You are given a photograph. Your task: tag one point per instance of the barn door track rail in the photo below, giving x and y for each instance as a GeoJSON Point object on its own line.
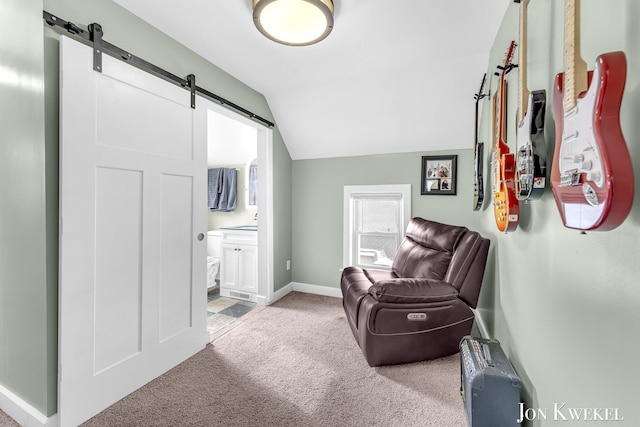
{"type": "Point", "coordinates": [93, 35]}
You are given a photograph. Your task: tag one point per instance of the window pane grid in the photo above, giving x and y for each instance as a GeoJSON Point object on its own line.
{"type": "Point", "coordinates": [376, 226]}
{"type": "Point", "coordinates": [375, 217]}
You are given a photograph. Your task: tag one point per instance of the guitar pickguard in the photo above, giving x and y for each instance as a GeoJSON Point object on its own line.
{"type": "Point", "coordinates": [580, 159]}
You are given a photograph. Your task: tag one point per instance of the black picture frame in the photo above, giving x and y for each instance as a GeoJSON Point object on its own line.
{"type": "Point", "coordinates": [439, 175]}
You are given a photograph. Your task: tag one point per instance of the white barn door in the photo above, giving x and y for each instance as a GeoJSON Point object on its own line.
{"type": "Point", "coordinates": [132, 296]}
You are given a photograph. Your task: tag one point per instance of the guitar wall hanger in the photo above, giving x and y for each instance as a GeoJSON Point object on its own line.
{"type": "Point", "coordinates": [506, 69]}
{"type": "Point", "coordinates": [479, 96]}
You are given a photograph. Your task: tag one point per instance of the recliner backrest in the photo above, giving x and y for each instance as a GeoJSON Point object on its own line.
{"type": "Point", "coordinates": [454, 254]}
{"type": "Point", "coordinates": [427, 249]}
{"type": "Point", "coordinates": [466, 269]}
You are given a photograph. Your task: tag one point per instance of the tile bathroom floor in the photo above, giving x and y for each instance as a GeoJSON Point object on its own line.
{"type": "Point", "coordinates": [221, 311]}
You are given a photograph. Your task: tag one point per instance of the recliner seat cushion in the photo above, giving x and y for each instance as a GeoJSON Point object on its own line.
{"type": "Point", "coordinates": [412, 290]}
{"type": "Point", "coordinates": [375, 275]}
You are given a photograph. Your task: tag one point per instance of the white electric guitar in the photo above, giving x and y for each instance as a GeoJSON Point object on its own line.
{"type": "Point", "coordinates": [531, 148]}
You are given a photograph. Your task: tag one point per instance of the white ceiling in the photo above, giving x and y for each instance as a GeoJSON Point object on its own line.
{"type": "Point", "coordinates": [393, 76]}
{"type": "Point", "coordinates": [230, 142]}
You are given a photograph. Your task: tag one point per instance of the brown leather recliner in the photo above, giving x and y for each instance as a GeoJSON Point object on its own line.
{"type": "Point", "coordinates": [421, 308]}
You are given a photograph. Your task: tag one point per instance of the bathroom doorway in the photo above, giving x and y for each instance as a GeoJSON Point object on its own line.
{"type": "Point", "coordinates": [238, 144]}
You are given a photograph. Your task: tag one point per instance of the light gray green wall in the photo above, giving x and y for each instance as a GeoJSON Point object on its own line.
{"type": "Point", "coordinates": [27, 285]}
{"type": "Point", "coordinates": [318, 198]}
{"type": "Point", "coordinates": [565, 304]}
{"type": "Point", "coordinates": [29, 174]}
{"type": "Point", "coordinates": [282, 211]}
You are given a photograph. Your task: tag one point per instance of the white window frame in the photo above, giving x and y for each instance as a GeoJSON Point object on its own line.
{"type": "Point", "coordinates": [348, 208]}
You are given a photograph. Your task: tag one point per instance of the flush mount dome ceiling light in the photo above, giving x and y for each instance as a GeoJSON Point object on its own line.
{"type": "Point", "coordinates": [294, 22]}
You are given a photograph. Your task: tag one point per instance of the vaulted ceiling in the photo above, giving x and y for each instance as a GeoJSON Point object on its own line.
{"type": "Point", "coordinates": [393, 76]}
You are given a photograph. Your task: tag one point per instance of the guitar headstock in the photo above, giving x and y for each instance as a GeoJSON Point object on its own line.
{"type": "Point", "coordinates": [478, 96]}
{"type": "Point", "coordinates": [508, 66]}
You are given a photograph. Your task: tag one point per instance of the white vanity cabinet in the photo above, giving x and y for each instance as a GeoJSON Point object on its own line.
{"type": "Point", "coordinates": [239, 264]}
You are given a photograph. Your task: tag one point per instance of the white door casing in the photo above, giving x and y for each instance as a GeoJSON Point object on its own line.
{"type": "Point", "coordinates": [132, 288]}
{"type": "Point", "coordinates": [265, 273]}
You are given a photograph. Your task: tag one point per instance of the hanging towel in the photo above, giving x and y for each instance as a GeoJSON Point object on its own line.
{"type": "Point", "coordinates": [253, 185]}
{"type": "Point", "coordinates": [214, 187]}
{"type": "Point", "coordinates": [222, 189]}
{"type": "Point", "coordinates": [229, 191]}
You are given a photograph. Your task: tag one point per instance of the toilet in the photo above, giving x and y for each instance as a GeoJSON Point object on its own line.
{"type": "Point", "coordinates": [213, 257]}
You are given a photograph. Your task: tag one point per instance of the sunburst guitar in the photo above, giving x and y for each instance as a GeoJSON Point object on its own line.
{"type": "Point", "coordinates": [506, 207]}
{"type": "Point", "coordinates": [592, 175]}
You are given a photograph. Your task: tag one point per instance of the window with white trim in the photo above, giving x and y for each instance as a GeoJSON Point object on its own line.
{"type": "Point", "coordinates": [375, 220]}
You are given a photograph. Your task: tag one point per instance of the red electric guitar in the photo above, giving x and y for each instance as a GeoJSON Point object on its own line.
{"type": "Point", "coordinates": [592, 175]}
{"type": "Point", "coordinates": [506, 208]}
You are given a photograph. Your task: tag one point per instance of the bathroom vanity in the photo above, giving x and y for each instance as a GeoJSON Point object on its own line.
{"type": "Point", "coordinates": [239, 262]}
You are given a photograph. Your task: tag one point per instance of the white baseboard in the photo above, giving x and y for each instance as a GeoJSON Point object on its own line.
{"type": "Point", "coordinates": [307, 289]}
{"type": "Point", "coordinates": [481, 325]}
{"type": "Point", "coordinates": [317, 290]}
{"type": "Point", "coordinates": [23, 413]}
{"type": "Point", "coordinates": [280, 293]}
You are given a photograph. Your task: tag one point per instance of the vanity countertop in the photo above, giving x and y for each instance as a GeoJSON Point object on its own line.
{"type": "Point", "coordinates": [241, 227]}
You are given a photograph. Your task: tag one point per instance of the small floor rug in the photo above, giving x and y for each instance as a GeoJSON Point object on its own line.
{"type": "Point", "coordinates": [294, 363]}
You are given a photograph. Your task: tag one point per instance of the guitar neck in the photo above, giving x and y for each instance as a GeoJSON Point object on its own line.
{"type": "Point", "coordinates": [478, 97]}
{"type": "Point", "coordinates": [499, 100]}
{"type": "Point", "coordinates": [475, 142]}
{"type": "Point", "coordinates": [575, 69]}
{"type": "Point", "coordinates": [523, 92]}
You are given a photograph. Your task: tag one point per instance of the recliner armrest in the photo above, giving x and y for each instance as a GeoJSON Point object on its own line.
{"type": "Point", "coordinates": [412, 290]}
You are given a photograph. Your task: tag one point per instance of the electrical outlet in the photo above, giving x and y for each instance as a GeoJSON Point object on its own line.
{"type": "Point", "coordinates": [288, 264]}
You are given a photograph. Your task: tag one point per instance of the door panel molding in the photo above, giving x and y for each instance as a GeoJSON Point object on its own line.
{"type": "Point", "coordinates": [132, 300]}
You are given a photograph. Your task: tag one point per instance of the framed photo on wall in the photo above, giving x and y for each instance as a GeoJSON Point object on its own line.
{"type": "Point", "coordinates": [438, 175]}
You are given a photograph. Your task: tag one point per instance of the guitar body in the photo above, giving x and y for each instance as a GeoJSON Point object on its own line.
{"type": "Point", "coordinates": [531, 153]}
{"type": "Point", "coordinates": [506, 207]}
{"type": "Point", "coordinates": [592, 175]}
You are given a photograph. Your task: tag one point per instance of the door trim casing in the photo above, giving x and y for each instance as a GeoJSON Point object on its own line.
{"type": "Point", "coordinates": [265, 199]}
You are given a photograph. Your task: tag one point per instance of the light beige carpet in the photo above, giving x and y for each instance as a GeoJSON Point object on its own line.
{"type": "Point", "coordinates": [294, 363]}
{"type": "Point", "coordinates": [7, 421]}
